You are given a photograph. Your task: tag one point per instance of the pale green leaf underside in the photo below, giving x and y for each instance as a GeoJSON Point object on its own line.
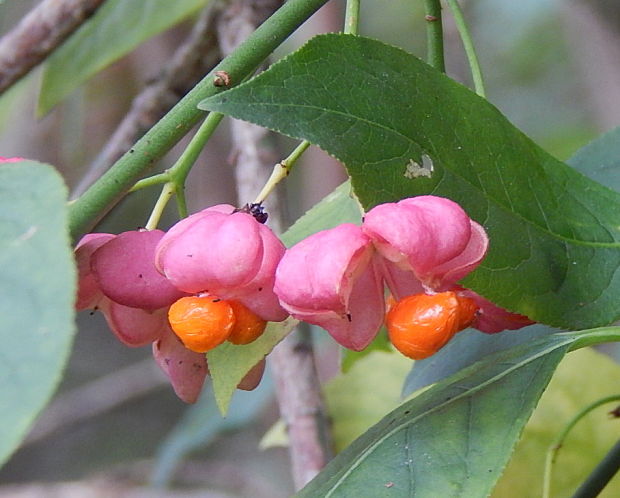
{"type": "Point", "coordinates": [115, 29]}
{"type": "Point", "coordinates": [37, 288]}
{"type": "Point", "coordinates": [439, 443]}
{"type": "Point", "coordinates": [555, 235]}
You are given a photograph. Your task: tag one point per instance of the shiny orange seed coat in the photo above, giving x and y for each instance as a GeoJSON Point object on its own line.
{"type": "Point", "coordinates": [421, 324]}
{"type": "Point", "coordinates": [201, 322]}
{"type": "Point", "coordinates": [248, 326]}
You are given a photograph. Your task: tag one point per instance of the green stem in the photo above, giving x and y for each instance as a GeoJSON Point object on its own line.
{"type": "Point", "coordinates": [559, 441]}
{"type": "Point", "coordinates": [166, 193]}
{"type": "Point", "coordinates": [178, 173]}
{"type": "Point", "coordinates": [601, 475]}
{"type": "Point", "coordinates": [150, 181]}
{"type": "Point", "coordinates": [104, 193]}
{"type": "Point", "coordinates": [470, 51]}
{"type": "Point", "coordinates": [281, 171]}
{"type": "Point", "coordinates": [352, 17]}
{"type": "Point", "coordinates": [283, 168]}
{"type": "Point", "coordinates": [434, 35]}
{"type": "Point", "coordinates": [592, 337]}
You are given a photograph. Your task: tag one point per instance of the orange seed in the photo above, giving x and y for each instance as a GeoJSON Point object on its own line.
{"type": "Point", "coordinates": [248, 326]}
{"type": "Point", "coordinates": [201, 322]}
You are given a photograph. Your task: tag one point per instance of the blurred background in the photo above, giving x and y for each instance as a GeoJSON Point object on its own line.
{"type": "Point", "coordinates": [115, 427]}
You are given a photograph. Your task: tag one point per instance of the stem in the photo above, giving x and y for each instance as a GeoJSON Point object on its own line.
{"type": "Point", "coordinates": [150, 181]}
{"type": "Point", "coordinates": [166, 193]}
{"type": "Point", "coordinates": [601, 475]}
{"type": "Point", "coordinates": [281, 171]}
{"type": "Point", "coordinates": [104, 193]}
{"type": "Point", "coordinates": [178, 173]}
{"type": "Point", "coordinates": [194, 58]}
{"type": "Point", "coordinates": [434, 35]}
{"type": "Point", "coordinates": [175, 177]}
{"type": "Point", "coordinates": [559, 441]}
{"type": "Point", "coordinates": [352, 17]}
{"type": "Point", "coordinates": [301, 406]}
{"type": "Point", "coordinates": [592, 337]}
{"type": "Point", "coordinates": [470, 51]}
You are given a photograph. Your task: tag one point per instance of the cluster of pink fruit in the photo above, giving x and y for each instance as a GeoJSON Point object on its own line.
{"type": "Point", "coordinates": [221, 274]}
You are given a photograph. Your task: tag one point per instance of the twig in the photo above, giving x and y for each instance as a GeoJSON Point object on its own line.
{"type": "Point", "coordinates": [434, 35]}
{"type": "Point", "coordinates": [188, 65]}
{"type": "Point", "coordinates": [92, 205]}
{"type": "Point", "coordinates": [97, 397]}
{"type": "Point", "coordinates": [301, 406]}
{"type": "Point", "coordinates": [601, 475]}
{"type": "Point", "coordinates": [38, 34]}
{"type": "Point", "coordinates": [297, 383]}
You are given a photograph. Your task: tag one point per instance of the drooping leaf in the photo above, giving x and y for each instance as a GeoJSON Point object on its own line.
{"type": "Point", "coordinates": [113, 31]}
{"type": "Point", "coordinates": [403, 129]}
{"type": "Point", "coordinates": [229, 363]}
{"type": "Point", "coordinates": [37, 288]}
{"type": "Point", "coordinates": [582, 377]}
{"type": "Point", "coordinates": [438, 443]}
{"type": "Point", "coordinates": [600, 159]}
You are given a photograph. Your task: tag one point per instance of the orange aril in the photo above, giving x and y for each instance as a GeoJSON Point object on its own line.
{"type": "Point", "coordinates": [248, 326]}
{"type": "Point", "coordinates": [201, 322]}
{"type": "Point", "coordinates": [421, 324]}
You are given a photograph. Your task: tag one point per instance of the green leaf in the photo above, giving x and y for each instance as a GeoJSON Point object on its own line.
{"type": "Point", "coordinates": [37, 290]}
{"type": "Point", "coordinates": [115, 29]}
{"type": "Point", "coordinates": [600, 159]}
{"type": "Point", "coordinates": [438, 443]}
{"type": "Point", "coordinates": [555, 237]}
{"type": "Point", "coordinates": [581, 378]}
{"type": "Point", "coordinates": [229, 363]}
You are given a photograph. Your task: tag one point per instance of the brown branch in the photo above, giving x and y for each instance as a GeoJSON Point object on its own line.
{"type": "Point", "coordinates": [297, 384]}
{"type": "Point", "coordinates": [301, 406]}
{"type": "Point", "coordinates": [38, 34]}
{"type": "Point", "coordinates": [191, 61]}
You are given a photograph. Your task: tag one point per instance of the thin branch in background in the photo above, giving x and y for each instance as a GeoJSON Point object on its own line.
{"type": "Point", "coordinates": [603, 473]}
{"type": "Point", "coordinates": [38, 34]}
{"type": "Point", "coordinates": [297, 383]}
{"type": "Point", "coordinates": [98, 397]}
{"type": "Point", "coordinates": [301, 406]}
{"type": "Point", "coordinates": [191, 61]}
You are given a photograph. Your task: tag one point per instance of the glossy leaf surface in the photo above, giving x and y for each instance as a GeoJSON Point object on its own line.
{"type": "Point", "coordinates": [404, 129]}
